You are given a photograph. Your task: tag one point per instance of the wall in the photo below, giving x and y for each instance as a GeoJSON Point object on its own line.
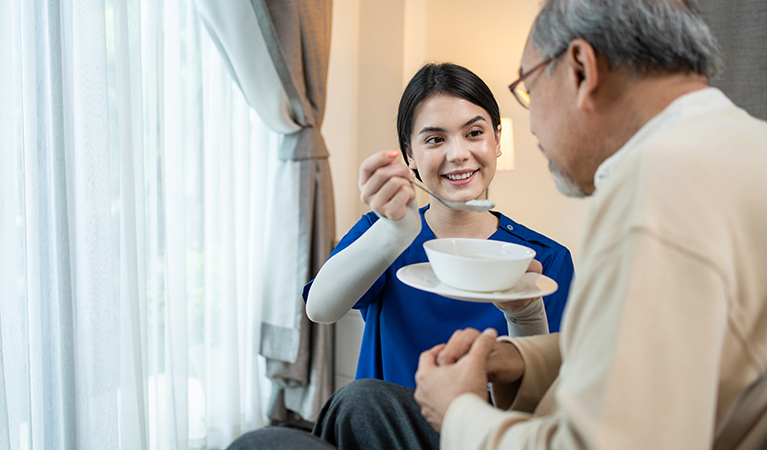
{"type": "Point", "coordinates": [376, 47]}
{"type": "Point", "coordinates": [740, 26]}
{"type": "Point", "coordinates": [364, 86]}
{"type": "Point", "coordinates": [488, 37]}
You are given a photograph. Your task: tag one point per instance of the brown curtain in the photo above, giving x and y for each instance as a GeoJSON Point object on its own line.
{"type": "Point", "coordinates": [277, 52]}
{"type": "Point", "coordinates": [297, 33]}
{"type": "Point", "coordinates": [741, 28]}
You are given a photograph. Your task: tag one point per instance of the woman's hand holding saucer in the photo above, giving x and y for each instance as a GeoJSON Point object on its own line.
{"type": "Point", "coordinates": [516, 305]}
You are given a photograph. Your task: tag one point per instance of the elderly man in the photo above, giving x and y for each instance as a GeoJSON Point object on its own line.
{"type": "Point", "coordinates": [664, 340]}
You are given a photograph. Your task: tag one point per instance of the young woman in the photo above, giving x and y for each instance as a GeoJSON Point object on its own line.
{"type": "Point", "coordinates": [449, 134]}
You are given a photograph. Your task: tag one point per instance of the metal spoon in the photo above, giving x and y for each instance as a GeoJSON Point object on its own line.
{"type": "Point", "coordinates": [471, 205]}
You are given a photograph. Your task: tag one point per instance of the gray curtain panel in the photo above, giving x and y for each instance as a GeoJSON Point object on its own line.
{"type": "Point", "coordinates": [277, 52]}
{"type": "Point", "coordinates": [297, 34]}
{"type": "Point", "coordinates": [741, 28]}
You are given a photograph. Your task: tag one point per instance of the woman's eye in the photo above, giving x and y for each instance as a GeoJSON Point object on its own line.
{"type": "Point", "coordinates": [475, 133]}
{"type": "Point", "coordinates": [434, 140]}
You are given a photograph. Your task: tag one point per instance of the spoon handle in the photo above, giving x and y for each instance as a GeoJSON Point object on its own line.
{"type": "Point", "coordinates": [475, 205]}
{"type": "Point", "coordinates": [425, 189]}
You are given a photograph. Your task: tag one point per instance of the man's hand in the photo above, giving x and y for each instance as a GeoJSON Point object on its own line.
{"type": "Point", "coordinates": [516, 305]}
{"type": "Point", "coordinates": [505, 363]}
{"type": "Point", "coordinates": [459, 344]}
{"type": "Point", "coordinates": [384, 184]}
{"type": "Point", "coordinates": [437, 385]}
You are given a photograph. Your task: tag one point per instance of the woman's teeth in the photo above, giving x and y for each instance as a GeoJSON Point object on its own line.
{"type": "Point", "coordinates": [462, 176]}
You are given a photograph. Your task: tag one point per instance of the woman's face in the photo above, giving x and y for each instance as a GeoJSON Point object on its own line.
{"type": "Point", "coordinates": [454, 147]}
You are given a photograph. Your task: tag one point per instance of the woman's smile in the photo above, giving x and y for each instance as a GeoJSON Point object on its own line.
{"type": "Point", "coordinates": [460, 177]}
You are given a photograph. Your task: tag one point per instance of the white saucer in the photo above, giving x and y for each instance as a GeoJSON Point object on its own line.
{"type": "Point", "coordinates": [531, 285]}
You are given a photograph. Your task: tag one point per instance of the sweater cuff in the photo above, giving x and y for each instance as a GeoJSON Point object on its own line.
{"type": "Point", "coordinates": [542, 362]}
{"type": "Point", "coordinates": [470, 423]}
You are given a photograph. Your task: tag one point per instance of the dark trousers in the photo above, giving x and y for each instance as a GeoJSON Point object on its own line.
{"type": "Point", "coordinates": [279, 438]}
{"type": "Point", "coordinates": [372, 414]}
{"type": "Point", "coordinates": [363, 415]}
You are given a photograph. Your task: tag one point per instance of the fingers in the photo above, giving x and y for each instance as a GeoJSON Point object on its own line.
{"type": "Point", "coordinates": [457, 346]}
{"type": "Point", "coordinates": [381, 166]}
{"type": "Point", "coordinates": [438, 386]}
{"type": "Point", "coordinates": [483, 345]}
{"type": "Point", "coordinates": [463, 342]}
{"type": "Point", "coordinates": [535, 266]}
{"type": "Point", "coordinates": [384, 185]}
{"type": "Point", "coordinates": [429, 357]}
{"type": "Point", "coordinates": [373, 162]}
{"type": "Point", "coordinates": [391, 201]}
{"type": "Point", "coordinates": [516, 305]}
{"type": "Point", "coordinates": [427, 378]}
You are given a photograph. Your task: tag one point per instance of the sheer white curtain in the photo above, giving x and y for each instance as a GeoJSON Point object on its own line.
{"type": "Point", "coordinates": [133, 180]}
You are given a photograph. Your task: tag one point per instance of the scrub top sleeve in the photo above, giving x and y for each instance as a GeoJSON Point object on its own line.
{"type": "Point", "coordinates": [561, 270]}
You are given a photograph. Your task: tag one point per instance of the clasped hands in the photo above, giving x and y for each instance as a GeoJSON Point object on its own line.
{"type": "Point", "coordinates": [465, 364]}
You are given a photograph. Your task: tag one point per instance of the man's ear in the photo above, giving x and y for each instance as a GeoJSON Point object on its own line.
{"type": "Point", "coordinates": [584, 71]}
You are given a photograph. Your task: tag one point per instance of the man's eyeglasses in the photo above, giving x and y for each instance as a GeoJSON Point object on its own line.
{"type": "Point", "coordinates": [516, 88]}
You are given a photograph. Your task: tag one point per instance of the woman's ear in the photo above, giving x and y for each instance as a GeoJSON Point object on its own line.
{"type": "Point", "coordinates": [411, 163]}
{"type": "Point", "coordinates": [498, 132]}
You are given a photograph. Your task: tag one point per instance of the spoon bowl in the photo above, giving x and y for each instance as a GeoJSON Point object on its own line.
{"type": "Point", "coordinates": [471, 205]}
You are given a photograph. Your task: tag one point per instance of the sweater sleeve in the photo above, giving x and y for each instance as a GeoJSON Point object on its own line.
{"type": "Point", "coordinates": [346, 276]}
{"type": "Point", "coordinates": [542, 362]}
{"type": "Point", "coordinates": [622, 334]}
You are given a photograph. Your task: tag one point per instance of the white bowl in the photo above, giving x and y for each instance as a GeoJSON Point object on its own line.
{"type": "Point", "coordinates": [478, 264]}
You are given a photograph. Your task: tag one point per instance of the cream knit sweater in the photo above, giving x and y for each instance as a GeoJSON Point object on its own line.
{"type": "Point", "coordinates": [664, 339]}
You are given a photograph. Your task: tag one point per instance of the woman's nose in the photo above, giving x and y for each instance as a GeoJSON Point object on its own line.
{"type": "Point", "coordinates": [457, 151]}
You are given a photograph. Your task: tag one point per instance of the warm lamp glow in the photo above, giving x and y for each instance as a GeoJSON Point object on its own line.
{"type": "Point", "coordinates": [506, 161]}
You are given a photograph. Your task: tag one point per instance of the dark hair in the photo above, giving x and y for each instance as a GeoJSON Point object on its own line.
{"type": "Point", "coordinates": [444, 78]}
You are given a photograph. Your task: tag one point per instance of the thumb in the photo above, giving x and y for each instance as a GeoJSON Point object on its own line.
{"type": "Point", "coordinates": [535, 266]}
{"type": "Point", "coordinates": [483, 345]}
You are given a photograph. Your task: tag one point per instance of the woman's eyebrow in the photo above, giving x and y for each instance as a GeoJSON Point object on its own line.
{"type": "Point", "coordinates": [431, 129]}
{"type": "Point", "coordinates": [472, 121]}
{"type": "Point", "coordinates": [442, 130]}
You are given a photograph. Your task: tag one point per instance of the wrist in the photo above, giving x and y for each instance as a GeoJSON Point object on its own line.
{"type": "Point", "coordinates": [406, 228]}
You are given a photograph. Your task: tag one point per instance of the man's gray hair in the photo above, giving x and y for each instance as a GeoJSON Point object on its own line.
{"type": "Point", "coordinates": [649, 36]}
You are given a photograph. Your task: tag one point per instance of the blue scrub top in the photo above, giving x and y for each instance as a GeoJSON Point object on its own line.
{"type": "Point", "coordinates": [401, 322]}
